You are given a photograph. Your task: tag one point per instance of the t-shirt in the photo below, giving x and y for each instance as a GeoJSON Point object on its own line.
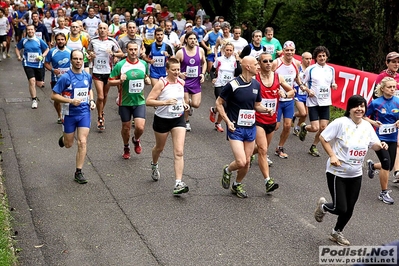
{"type": "Point", "coordinates": [349, 143]}
{"type": "Point", "coordinates": [102, 63]}
{"type": "Point", "coordinates": [59, 59]}
{"type": "Point", "coordinates": [319, 79]}
{"type": "Point", "coordinates": [132, 92]}
{"type": "Point", "coordinates": [4, 25]}
{"type": "Point", "coordinates": [271, 46]}
{"type": "Point", "coordinates": [33, 47]}
{"type": "Point", "coordinates": [240, 98]}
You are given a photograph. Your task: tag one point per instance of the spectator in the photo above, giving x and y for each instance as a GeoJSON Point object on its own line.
{"type": "Point", "coordinates": [190, 11]}
{"type": "Point", "coordinates": [149, 6]}
{"type": "Point", "coordinates": [180, 22]}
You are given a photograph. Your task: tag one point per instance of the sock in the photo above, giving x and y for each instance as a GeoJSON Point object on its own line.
{"type": "Point", "coordinates": [34, 98]}
{"type": "Point", "coordinates": [235, 183]}
{"type": "Point", "coordinates": [226, 170]}
{"type": "Point", "coordinates": [126, 145]}
{"type": "Point", "coordinates": [395, 174]}
{"type": "Point", "coordinates": [267, 179]}
{"type": "Point", "coordinates": [279, 147]}
{"type": "Point", "coordinates": [78, 170]}
{"type": "Point", "coordinates": [178, 182]}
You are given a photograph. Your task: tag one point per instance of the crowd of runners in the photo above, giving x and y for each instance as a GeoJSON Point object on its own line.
{"type": "Point", "coordinates": [258, 84]}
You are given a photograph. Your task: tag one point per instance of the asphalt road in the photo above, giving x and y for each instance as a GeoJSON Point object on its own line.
{"type": "Point", "coordinates": [122, 217]}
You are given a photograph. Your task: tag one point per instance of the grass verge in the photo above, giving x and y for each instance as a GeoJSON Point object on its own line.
{"type": "Point", "coordinates": [7, 254]}
{"type": "Point", "coordinates": [336, 112]}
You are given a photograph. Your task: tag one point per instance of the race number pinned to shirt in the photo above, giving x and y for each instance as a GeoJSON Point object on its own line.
{"type": "Point", "coordinates": [356, 154]}
{"type": "Point", "coordinates": [81, 94]}
{"type": "Point", "coordinates": [63, 70]}
{"type": "Point", "coordinates": [32, 57]}
{"type": "Point", "coordinates": [386, 129]}
{"type": "Point", "coordinates": [159, 61]}
{"type": "Point", "coordinates": [136, 86]}
{"type": "Point", "coordinates": [269, 103]}
{"type": "Point", "coordinates": [176, 110]}
{"type": "Point", "coordinates": [101, 62]}
{"type": "Point", "coordinates": [226, 78]}
{"type": "Point", "coordinates": [39, 34]}
{"type": "Point", "coordinates": [269, 49]}
{"type": "Point", "coordinates": [246, 118]}
{"type": "Point", "coordinates": [324, 93]}
{"type": "Point", "coordinates": [192, 72]}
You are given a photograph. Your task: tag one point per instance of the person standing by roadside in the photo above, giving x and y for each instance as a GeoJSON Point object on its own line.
{"type": "Point", "coordinates": [383, 114]}
{"type": "Point", "coordinates": [346, 141]}
{"type": "Point", "coordinates": [168, 96]}
{"type": "Point", "coordinates": [34, 52]}
{"type": "Point", "coordinates": [318, 81]}
{"type": "Point", "coordinates": [74, 91]}
{"type": "Point", "coordinates": [131, 73]}
{"type": "Point", "coordinates": [242, 97]}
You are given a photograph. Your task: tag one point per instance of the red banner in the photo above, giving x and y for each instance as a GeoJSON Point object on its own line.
{"type": "Point", "coordinates": [350, 81]}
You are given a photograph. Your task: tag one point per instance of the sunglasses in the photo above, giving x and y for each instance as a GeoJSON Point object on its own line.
{"type": "Point", "coordinates": [267, 61]}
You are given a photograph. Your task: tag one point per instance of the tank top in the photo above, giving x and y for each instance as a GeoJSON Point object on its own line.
{"type": "Point", "coordinates": [191, 65]}
{"type": "Point", "coordinates": [289, 73]}
{"type": "Point", "coordinates": [170, 91]}
{"type": "Point", "coordinates": [270, 98]}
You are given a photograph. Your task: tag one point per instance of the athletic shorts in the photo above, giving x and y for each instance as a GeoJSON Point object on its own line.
{"type": "Point", "coordinates": [319, 113]}
{"type": "Point", "coordinates": [268, 128]}
{"type": "Point", "coordinates": [37, 73]}
{"type": "Point", "coordinates": [86, 64]}
{"type": "Point", "coordinates": [163, 125]}
{"type": "Point", "coordinates": [300, 97]}
{"type": "Point", "coordinates": [18, 32]}
{"type": "Point", "coordinates": [285, 109]}
{"type": "Point", "coordinates": [210, 57]}
{"type": "Point", "coordinates": [217, 91]}
{"type": "Point", "coordinates": [126, 112]}
{"type": "Point", "coordinates": [72, 122]}
{"type": "Point", "coordinates": [247, 134]}
{"type": "Point", "coordinates": [3, 38]}
{"type": "Point", "coordinates": [101, 77]}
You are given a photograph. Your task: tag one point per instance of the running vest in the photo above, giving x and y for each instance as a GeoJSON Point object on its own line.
{"type": "Point", "coordinates": [191, 65]}
{"type": "Point", "coordinates": [159, 66]}
{"type": "Point", "coordinates": [289, 73]}
{"type": "Point", "coordinates": [270, 98]}
{"type": "Point", "coordinates": [170, 91]}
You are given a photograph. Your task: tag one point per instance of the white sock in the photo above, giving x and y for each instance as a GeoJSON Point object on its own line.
{"type": "Point", "coordinates": [267, 179]}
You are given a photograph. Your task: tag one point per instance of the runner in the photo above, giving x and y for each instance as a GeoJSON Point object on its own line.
{"type": "Point", "coordinates": [193, 67]}
{"type": "Point", "coordinates": [78, 39]}
{"type": "Point", "coordinates": [91, 23]}
{"type": "Point", "coordinates": [131, 74]}
{"type": "Point", "coordinates": [384, 111]}
{"type": "Point", "coordinates": [287, 67]}
{"type": "Point", "coordinates": [346, 141]}
{"type": "Point", "coordinates": [170, 37]}
{"type": "Point", "coordinates": [131, 36]}
{"type": "Point", "coordinates": [273, 46]}
{"type": "Point", "coordinates": [238, 42]}
{"type": "Point", "coordinates": [34, 51]}
{"type": "Point", "coordinates": [242, 97]}
{"type": "Point", "coordinates": [157, 55]}
{"type": "Point", "coordinates": [301, 95]}
{"type": "Point", "coordinates": [224, 38]}
{"type": "Point", "coordinates": [270, 83]}
{"type": "Point", "coordinates": [149, 31]}
{"type": "Point", "coordinates": [254, 48]}
{"type": "Point", "coordinates": [225, 66]}
{"type": "Point", "coordinates": [4, 29]}
{"type": "Point", "coordinates": [209, 41]}
{"type": "Point", "coordinates": [60, 28]}
{"type": "Point", "coordinates": [320, 79]}
{"type": "Point", "coordinates": [58, 62]}
{"type": "Point", "coordinates": [74, 90]}
{"type": "Point", "coordinates": [168, 96]}
{"type": "Point", "coordinates": [101, 50]}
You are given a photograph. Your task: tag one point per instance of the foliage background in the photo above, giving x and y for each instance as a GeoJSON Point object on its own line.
{"type": "Point", "coordinates": [358, 33]}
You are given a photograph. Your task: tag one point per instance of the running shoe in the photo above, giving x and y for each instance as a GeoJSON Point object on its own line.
{"type": "Point", "coordinates": [137, 146]}
{"type": "Point", "coordinates": [238, 189]}
{"type": "Point", "coordinates": [303, 132]}
{"type": "Point", "coordinates": [212, 115]}
{"type": "Point", "coordinates": [188, 126]}
{"type": "Point", "coordinates": [271, 185]}
{"type": "Point", "coordinates": [396, 177]}
{"type": "Point", "coordinates": [61, 142]}
{"type": "Point", "coordinates": [385, 197]}
{"type": "Point", "coordinates": [293, 121]}
{"type": "Point", "coordinates": [59, 120]}
{"type": "Point", "coordinates": [370, 169]}
{"type": "Point", "coordinates": [34, 103]}
{"type": "Point", "coordinates": [319, 213]}
{"type": "Point", "coordinates": [270, 162]}
{"type": "Point", "coordinates": [226, 178]}
{"type": "Point", "coordinates": [296, 131]}
{"type": "Point", "coordinates": [314, 151]}
{"type": "Point", "coordinates": [4, 55]}
{"type": "Point", "coordinates": [155, 175]}
{"type": "Point", "coordinates": [133, 123]}
{"type": "Point", "coordinates": [8, 55]}
{"type": "Point", "coordinates": [100, 124]}
{"type": "Point", "coordinates": [219, 128]}
{"type": "Point", "coordinates": [79, 177]}
{"type": "Point", "coordinates": [126, 153]}
{"type": "Point", "coordinates": [251, 160]}
{"type": "Point", "coordinates": [280, 153]}
{"type": "Point", "coordinates": [338, 237]}
{"type": "Point", "coordinates": [180, 188]}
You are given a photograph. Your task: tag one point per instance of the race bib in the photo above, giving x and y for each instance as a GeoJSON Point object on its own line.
{"type": "Point", "coordinates": [397, 93]}
{"type": "Point", "coordinates": [192, 72]}
{"type": "Point", "coordinates": [269, 49]}
{"type": "Point", "coordinates": [136, 86]}
{"type": "Point", "coordinates": [270, 103]}
{"type": "Point", "coordinates": [226, 78]}
{"type": "Point", "coordinates": [289, 79]}
{"type": "Point", "coordinates": [176, 110]}
{"type": "Point", "coordinates": [32, 57]}
{"type": "Point", "coordinates": [246, 118]}
{"type": "Point", "coordinates": [39, 35]}
{"type": "Point", "coordinates": [81, 94]}
{"type": "Point", "coordinates": [386, 129]}
{"type": "Point", "coordinates": [324, 93]}
{"type": "Point", "coordinates": [63, 70]}
{"type": "Point", "coordinates": [149, 35]}
{"type": "Point", "coordinates": [159, 61]}
{"type": "Point", "coordinates": [356, 155]}
{"type": "Point", "coordinates": [101, 62]}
